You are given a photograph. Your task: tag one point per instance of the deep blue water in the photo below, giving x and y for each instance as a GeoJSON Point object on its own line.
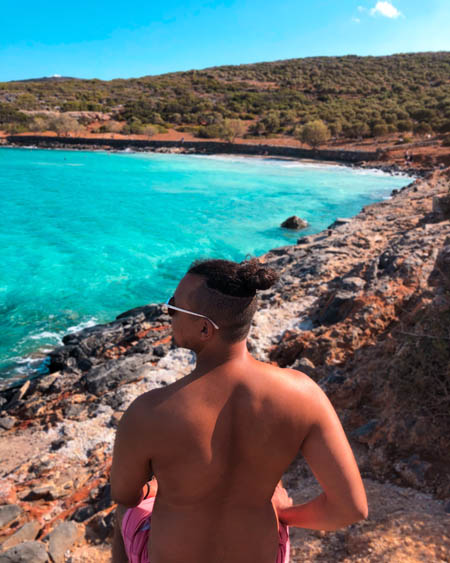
{"type": "Point", "coordinates": [87, 235]}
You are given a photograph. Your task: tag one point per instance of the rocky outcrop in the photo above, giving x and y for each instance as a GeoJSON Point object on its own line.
{"type": "Point", "coordinates": [363, 308]}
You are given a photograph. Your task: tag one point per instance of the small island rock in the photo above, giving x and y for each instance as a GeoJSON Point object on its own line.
{"type": "Point", "coordinates": [294, 223]}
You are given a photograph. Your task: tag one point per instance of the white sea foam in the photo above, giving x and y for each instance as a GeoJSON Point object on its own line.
{"type": "Point", "coordinates": [84, 324]}
{"type": "Point", "coordinates": [46, 334]}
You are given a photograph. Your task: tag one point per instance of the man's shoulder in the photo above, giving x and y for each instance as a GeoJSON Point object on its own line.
{"type": "Point", "coordinates": [300, 389]}
{"type": "Point", "coordinates": [296, 380]}
{"type": "Point", "coordinates": [151, 399]}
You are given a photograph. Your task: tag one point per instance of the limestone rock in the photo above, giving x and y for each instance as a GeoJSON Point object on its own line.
{"type": "Point", "coordinates": [26, 552]}
{"type": "Point", "coordinates": [9, 513]}
{"type": "Point", "coordinates": [27, 532]}
{"type": "Point", "coordinates": [61, 539]}
{"type": "Point", "coordinates": [294, 223]}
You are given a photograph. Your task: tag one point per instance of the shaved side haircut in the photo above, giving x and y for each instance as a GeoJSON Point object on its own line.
{"type": "Point", "coordinates": [228, 293]}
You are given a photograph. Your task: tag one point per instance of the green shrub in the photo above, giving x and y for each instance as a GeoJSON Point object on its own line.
{"type": "Point", "coordinates": [380, 129]}
{"type": "Point", "coordinates": [315, 133]}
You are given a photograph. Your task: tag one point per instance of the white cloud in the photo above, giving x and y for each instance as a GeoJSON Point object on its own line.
{"type": "Point", "coordinates": [362, 9]}
{"type": "Point", "coordinates": [356, 20]}
{"type": "Point", "coordinates": [385, 9]}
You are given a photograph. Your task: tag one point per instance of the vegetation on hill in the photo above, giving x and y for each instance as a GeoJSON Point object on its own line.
{"type": "Point", "coordinates": [354, 96]}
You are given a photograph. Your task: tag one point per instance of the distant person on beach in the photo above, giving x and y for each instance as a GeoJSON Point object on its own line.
{"type": "Point", "coordinates": [219, 439]}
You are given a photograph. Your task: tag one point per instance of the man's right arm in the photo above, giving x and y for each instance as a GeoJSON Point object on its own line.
{"type": "Point", "coordinates": [328, 454]}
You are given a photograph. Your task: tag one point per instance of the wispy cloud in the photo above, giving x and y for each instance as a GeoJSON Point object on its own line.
{"type": "Point", "coordinates": [362, 9]}
{"type": "Point", "coordinates": [356, 20]}
{"type": "Point", "coordinates": [385, 9]}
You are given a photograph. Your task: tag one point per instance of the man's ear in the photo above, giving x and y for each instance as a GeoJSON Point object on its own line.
{"type": "Point", "coordinates": [206, 330]}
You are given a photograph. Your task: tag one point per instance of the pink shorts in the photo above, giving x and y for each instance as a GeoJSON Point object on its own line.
{"type": "Point", "coordinates": [136, 529]}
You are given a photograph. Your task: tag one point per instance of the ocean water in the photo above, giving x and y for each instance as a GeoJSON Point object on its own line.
{"type": "Point", "coordinates": [85, 235]}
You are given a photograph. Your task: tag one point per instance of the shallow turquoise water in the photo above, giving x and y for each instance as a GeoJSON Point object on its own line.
{"type": "Point", "coordinates": [87, 235]}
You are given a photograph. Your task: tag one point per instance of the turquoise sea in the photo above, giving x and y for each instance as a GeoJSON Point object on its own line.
{"type": "Point", "coordinates": [85, 235]}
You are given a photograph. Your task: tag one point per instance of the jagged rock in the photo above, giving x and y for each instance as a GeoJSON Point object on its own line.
{"type": "Point", "coordinates": [304, 240]}
{"type": "Point", "coordinates": [337, 306]}
{"type": "Point", "coordinates": [339, 222]}
{"type": "Point", "coordinates": [114, 373]}
{"type": "Point", "coordinates": [46, 492]}
{"type": "Point", "coordinates": [26, 552]}
{"type": "Point", "coordinates": [9, 513]}
{"type": "Point", "coordinates": [294, 223]}
{"type": "Point", "coordinates": [87, 348]}
{"type": "Point", "coordinates": [61, 539]}
{"type": "Point", "coordinates": [27, 532]}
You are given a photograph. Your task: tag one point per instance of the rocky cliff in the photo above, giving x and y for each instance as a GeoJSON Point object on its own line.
{"type": "Point", "coordinates": [362, 307]}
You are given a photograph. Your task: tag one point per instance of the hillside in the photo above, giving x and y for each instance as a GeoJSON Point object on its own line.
{"type": "Point", "coordinates": [355, 97]}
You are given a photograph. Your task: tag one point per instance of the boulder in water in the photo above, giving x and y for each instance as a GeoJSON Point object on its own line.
{"type": "Point", "coordinates": [294, 223]}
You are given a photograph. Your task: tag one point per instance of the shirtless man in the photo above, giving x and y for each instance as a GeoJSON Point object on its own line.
{"type": "Point", "coordinates": [219, 439]}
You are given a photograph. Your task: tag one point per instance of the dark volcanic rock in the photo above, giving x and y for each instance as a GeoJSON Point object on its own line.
{"type": "Point", "coordinates": [294, 223]}
{"type": "Point", "coordinates": [114, 373]}
{"type": "Point", "coordinates": [91, 346]}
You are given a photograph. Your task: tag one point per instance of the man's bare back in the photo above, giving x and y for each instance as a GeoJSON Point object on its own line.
{"type": "Point", "coordinates": [218, 442]}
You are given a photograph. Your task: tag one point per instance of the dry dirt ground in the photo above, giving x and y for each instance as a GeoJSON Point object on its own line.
{"type": "Point", "coordinates": [404, 526]}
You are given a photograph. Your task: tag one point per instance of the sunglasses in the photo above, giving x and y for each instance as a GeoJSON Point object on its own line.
{"type": "Point", "coordinates": [171, 310]}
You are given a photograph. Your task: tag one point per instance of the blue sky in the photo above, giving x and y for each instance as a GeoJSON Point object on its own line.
{"type": "Point", "coordinates": [97, 39]}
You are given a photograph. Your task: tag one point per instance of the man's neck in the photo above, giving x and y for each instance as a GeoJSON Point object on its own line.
{"type": "Point", "coordinates": [210, 358]}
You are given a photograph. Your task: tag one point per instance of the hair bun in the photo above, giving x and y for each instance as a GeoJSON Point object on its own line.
{"type": "Point", "coordinates": [254, 276]}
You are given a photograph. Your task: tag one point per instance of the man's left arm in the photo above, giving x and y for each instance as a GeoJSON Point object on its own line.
{"type": "Point", "coordinates": [131, 466]}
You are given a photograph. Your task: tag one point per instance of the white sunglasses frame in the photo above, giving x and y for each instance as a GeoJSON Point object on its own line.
{"type": "Point", "coordinates": [169, 306]}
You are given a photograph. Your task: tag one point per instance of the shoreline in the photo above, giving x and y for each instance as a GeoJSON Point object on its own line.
{"type": "Point", "coordinates": [36, 361]}
{"type": "Point", "coordinates": [378, 159]}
